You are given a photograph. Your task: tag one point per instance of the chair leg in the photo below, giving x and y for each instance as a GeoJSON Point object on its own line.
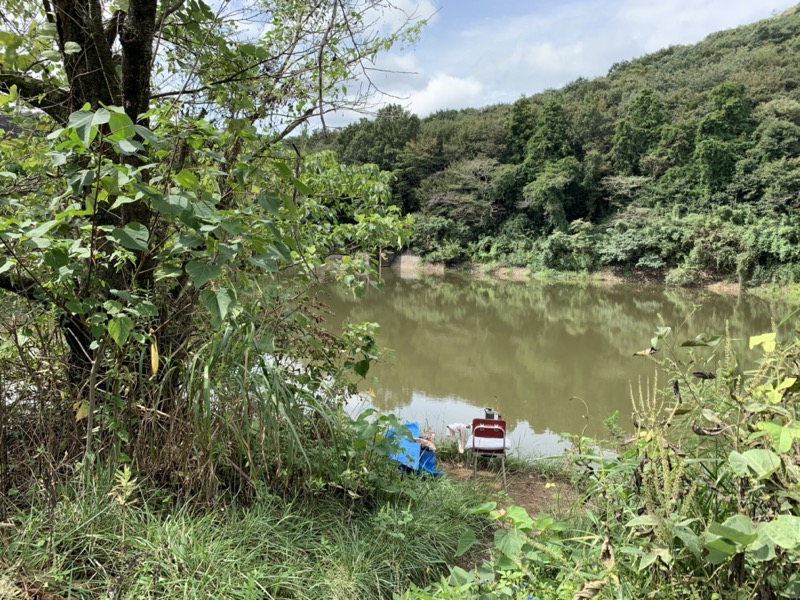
{"type": "Point", "coordinates": [503, 466]}
{"type": "Point", "coordinates": [474, 466]}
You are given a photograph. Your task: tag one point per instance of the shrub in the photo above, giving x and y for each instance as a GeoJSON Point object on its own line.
{"type": "Point", "coordinates": [683, 276]}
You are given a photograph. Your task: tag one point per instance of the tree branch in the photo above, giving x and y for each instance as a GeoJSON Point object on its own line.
{"type": "Point", "coordinates": [112, 27]}
{"type": "Point", "coordinates": [51, 100]}
{"type": "Point", "coordinates": [17, 285]}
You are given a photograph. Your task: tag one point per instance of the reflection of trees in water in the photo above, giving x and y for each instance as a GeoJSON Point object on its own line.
{"type": "Point", "coordinates": [532, 346]}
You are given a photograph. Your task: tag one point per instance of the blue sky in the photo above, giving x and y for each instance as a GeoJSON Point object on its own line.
{"type": "Point", "coordinates": [475, 53]}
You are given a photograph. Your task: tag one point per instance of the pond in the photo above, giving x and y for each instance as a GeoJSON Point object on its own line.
{"type": "Point", "coordinates": [550, 358]}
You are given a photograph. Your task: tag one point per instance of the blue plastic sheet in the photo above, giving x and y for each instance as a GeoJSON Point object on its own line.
{"type": "Point", "coordinates": [412, 457]}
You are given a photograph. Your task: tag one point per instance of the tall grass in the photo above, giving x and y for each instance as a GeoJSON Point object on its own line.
{"type": "Point", "coordinates": [91, 546]}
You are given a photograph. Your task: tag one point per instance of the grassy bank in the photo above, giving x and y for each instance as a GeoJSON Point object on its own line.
{"type": "Point", "coordinates": [115, 541]}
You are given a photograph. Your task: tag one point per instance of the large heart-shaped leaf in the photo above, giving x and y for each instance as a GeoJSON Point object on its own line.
{"type": "Point", "coordinates": [756, 463]}
{"type": "Point", "coordinates": [465, 542]}
{"type": "Point", "coordinates": [133, 236]}
{"type": "Point", "coordinates": [202, 273]}
{"type": "Point", "coordinates": [218, 303]}
{"type": "Point", "coordinates": [119, 328]}
{"type": "Point", "coordinates": [510, 542]}
{"type": "Point", "coordinates": [783, 531]}
{"type": "Point", "coordinates": [81, 122]}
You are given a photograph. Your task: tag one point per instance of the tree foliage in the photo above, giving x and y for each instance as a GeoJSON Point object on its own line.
{"type": "Point", "coordinates": [151, 216]}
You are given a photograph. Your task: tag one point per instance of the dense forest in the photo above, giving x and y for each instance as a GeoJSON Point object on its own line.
{"type": "Point", "coordinates": [684, 163]}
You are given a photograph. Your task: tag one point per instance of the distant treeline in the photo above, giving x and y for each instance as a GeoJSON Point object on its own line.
{"type": "Point", "coordinates": [684, 163]}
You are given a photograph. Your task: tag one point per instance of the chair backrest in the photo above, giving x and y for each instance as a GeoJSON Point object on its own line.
{"type": "Point", "coordinates": [489, 428]}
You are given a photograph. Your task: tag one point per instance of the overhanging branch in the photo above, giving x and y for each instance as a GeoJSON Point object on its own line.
{"type": "Point", "coordinates": [16, 285]}
{"type": "Point", "coordinates": [51, 100]}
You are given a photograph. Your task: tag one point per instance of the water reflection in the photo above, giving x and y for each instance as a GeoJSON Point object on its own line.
{"type": "Point", "coordinates": [461, 344]}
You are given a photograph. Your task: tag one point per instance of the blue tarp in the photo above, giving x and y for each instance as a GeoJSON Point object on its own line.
{"type": "Point", "coordinates": [411, 455]}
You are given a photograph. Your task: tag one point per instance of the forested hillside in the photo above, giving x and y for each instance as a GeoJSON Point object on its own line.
{"type": "Point", "coordinates": [684, 163]}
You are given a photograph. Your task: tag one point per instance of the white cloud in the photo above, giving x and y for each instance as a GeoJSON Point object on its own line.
{"type": "Point", "coordinates": [445, 91]}
{"type": "Point", "coordinates": [656, 25]}
{"type": "Point", "coordinates": [476, 53]}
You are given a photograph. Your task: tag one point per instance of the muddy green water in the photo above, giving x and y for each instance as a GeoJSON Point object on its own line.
{"type": "Point", "coordinates": [528, 350]}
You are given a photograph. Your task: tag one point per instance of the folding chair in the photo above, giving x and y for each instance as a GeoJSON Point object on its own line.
{"type": "Point", "coordinates": [488, 439]}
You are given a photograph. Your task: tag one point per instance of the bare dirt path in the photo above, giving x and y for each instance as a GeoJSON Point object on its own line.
{"type": "Point", "coordinates": [534, 492]}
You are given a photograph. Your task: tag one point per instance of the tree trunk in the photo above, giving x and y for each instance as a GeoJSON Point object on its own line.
{"type": "Point", "coordinates": [91, 70]}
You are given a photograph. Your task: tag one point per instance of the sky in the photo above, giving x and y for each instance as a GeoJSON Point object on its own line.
{"type": "Point", "coordinates": [475, 53]}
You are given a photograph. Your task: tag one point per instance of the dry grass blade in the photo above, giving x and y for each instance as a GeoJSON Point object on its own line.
{"type": "Point", "coordinates": [607, 554]}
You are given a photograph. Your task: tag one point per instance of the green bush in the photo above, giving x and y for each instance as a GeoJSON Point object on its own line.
{"type": "Point", "coordinates": [572, 251]}
{"type": "Point", "coordinates": [683, 276]}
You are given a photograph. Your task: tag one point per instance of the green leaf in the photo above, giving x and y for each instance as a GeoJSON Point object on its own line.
{"type": "Point", "coordinates": [781, 436]}
{"type": "Point", "coordinates": [75, 306]}
{"type": "Point", "coordinates": [459, 577]}
{"type": "Point", "coordinates": [127, 147]}
{"type": "Point", "coordinates": [519, 518]}
{"type": "Point", "coordinates": [266, 262]}
{"type": "Point", "coordinates": [689, 538]}
{"type": "Point", "coordinates": [188, 180]}
{"type": "Point", "coordinates": [80, 180]}
{"type": "Point", "coordinates": [289, 205]}
{"type": "Point", "coordinates": [783, 531]}
{"type": "Point", "coordinates": [172, 206]}
{"type": "Point", "coordinates": [662, 332]}
{"type": "Point", "coordinates": [101, 116]}
{"type": "Point", "coordinates": [738, 529]}
{"type": "Point", "coordinates": [125, 295]}
{"type": "Point", "coordinates": [702, 340]}
{"type": "Point", "coordinates": [759, 463]}
{"type": "Point", "coordinates": [510, 542]}
{"type": "Point", "coordinates": [121, 127]}
{"type": "Point", "coordinates": [465, 542]}
{"type": "Point", "coordinates": [655, 554]}
{"type": "Point", "coordinates": [133, 236]}
{"type": "Point", "coordinates": [146, 134]}
{"type": "Point", "coordinates": [361, 368]}
{"type": "Point", "coordinates": [644, 521]}
{"type": "Point", "coordinates": [765, 340]}
{"type": "Point", "coordinates": [119, 328]}
{"type": "Point", "coordinates": [218, 303]}
{"type": "Point", "coordinates": [483, 509]}
{"type": "Point", "coordinates": [112, 307]}
{"type": "Point", "coordinates": [763, 549]}
{"type": "Point", "coordinates": [270, 201]}
{"type": "Point", "coordinates": [202, 273]}
{"type": "Point", "coordinates": [121, 200]}
{"type": "Point", "coordinates": [301, 187]}
{"type": "Point", "coordinates": [284, 170]}
{"type": "Point", "coordinates": [72, 48]}
{"type": "Point", "coordinates": [168, 272]}
{"type": "Point", "coordinates": [6, 265]}
{"type": "Point", "coordinates": [57, 159]}
{"type": "Point", "coordinates": [42, 229]}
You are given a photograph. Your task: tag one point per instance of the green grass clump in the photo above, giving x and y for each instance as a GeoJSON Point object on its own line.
{"type": "Point", "coordinates": [91, 545]}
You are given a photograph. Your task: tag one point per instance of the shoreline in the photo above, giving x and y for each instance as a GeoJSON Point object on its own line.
{"type": "Point", "coordinates": [411, 266]}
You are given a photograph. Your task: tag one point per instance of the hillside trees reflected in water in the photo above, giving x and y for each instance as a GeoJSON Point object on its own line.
{"type": "Point", "coordinates": [526, 348]}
